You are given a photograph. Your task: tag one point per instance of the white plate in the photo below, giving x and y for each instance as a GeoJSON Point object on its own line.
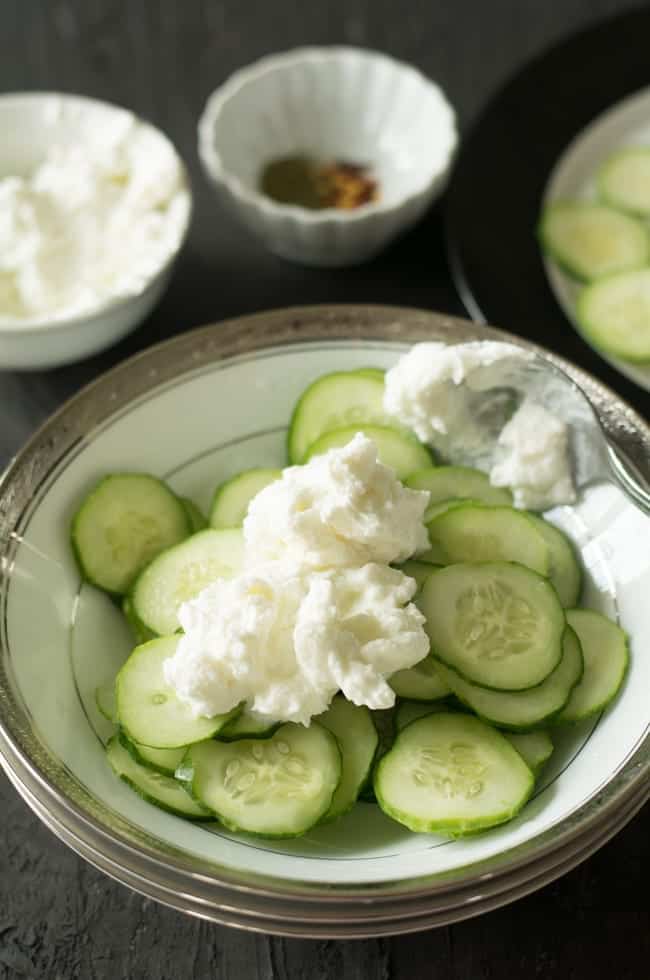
{"type": "Point", "coordinates": [195, 411]}
{"type": "Point", "coordinates": [625, 124]}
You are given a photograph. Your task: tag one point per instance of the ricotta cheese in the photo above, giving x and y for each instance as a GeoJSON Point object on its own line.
{"type": "Point", "coordinates": [285, 639]}
{"type": "Point", "coordinates": [532, 457]}
{"type": "Point", "coordinates": [456, 399]}
{"type": "Point", "coordinates": [93, 224]}
{"type": "Point", "coordinates": [340, 509]}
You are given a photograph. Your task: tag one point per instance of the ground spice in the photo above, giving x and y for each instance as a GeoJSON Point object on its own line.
{"type": "Point", "coordinates": [301, 181]}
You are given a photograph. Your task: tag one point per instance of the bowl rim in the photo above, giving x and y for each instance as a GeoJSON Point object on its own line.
{"type": "Point", "coordinates": [221, 176]}
{"type": "Point", "coordinates": [37, 325]}
{"type": "Point", "coordinates": [172, 359]}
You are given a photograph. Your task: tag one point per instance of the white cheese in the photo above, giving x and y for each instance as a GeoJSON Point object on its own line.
{"type": "Point", "coordinates": [342, 508]}
{"type": "Point", "coordinates": [532, 457]}
{"type": "Point", "coordinates": [455, 398]}
{"type": "Point", "coordinates": [285, 640]}
{"type": "Point", "coordinates": [93, 224]}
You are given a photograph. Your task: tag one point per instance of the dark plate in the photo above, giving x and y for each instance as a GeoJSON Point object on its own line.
{"type": "Point", "coordinates": [493, 200]}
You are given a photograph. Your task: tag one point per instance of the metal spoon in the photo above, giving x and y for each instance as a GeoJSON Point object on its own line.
{"type": "Point", "coordinates": [594, 455]}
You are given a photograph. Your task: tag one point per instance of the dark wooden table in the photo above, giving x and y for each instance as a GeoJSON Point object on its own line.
{"type": "Point", "coordinates": [59, 918]}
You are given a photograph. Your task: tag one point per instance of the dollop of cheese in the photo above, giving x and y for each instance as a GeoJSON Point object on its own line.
{"type": "Point", "coordinates": [285, 639]}
{"type": "Point", "coordinates": [532, 457]}
{"type": "Point", "coordinates": [470, 402]}
{"type": "Point", "coordinates": [340, 509]}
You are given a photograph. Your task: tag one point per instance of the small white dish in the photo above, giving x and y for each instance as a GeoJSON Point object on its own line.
{"type": "Point", "coordinates": [30, 124]}
{"type": "Point", "coordinates": [625, 124]}
{"type": "Point", "coordinates": [332, 103]}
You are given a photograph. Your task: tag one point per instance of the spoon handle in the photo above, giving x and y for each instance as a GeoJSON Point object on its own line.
{"type": "Point", "coordinates": [629, 483]}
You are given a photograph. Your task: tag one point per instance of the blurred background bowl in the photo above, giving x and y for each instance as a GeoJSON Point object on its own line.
{"type": "Point", "coordinates": [329, 104]}
{"type": "Point", "coordinates": [31, 123]}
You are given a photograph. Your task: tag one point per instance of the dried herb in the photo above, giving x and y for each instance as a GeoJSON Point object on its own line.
{"type": "Point", "coordinates": [299, 180]}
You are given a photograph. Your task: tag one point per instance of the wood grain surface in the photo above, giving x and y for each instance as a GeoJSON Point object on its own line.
{"type": "Point", "coordinates": [59, 918]}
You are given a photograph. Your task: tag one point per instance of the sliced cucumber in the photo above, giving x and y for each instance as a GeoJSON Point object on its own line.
{"type": "Point", "coordinates": [370, 372]}
{"type": "Point", "coordinates": [606, 656]}
{"type": "Point", "coordinates": [624, 180]}
{"type": "Point", "coordinates": [147, 707]}
{"type": "Point", "coordinates": [399, 450]}
{"type": "Point", "coordinates": [165, 761]}
{"type": "Point", "coordinates": [590, 241]}
{"type": "Point", "coordinates": [408, 711]}
{"type": "Point", "coordinates": [435, 555]}
{"type": "Point", "coordinates": [195, 518]}
{"type": "Point", "coordinates": [449, 483]}
{"type": "Point", "coordinates": [522, 710]}
{"type": "Point", "coordinates": [451, 772]}
{"type": "Point", "coordinates": [565, 572]}
{"type": "Point", "coordinates": [164, 791]}
{"type": "Point", "coordinates": [124, 522]}
{"type": "Point", "coordinates": [419, 570]}
{"type": "Point", "coordinates": [353, 729]}
{"type": "Point", "coordinates": [473, 532]}
{"type": "Point", "coordinates": [140, 632]}
{"type": "Point", "coordinates": [615, 315]}
{"type": "Point", "coordinates": [420, 683]}
{"type": "Point", "coordinates": [277, 787]}
{"type": "Point", "coordinates": [106, 702]}
{"type": "Point", "coordinates": [231, 499]}
{"type": "Point", "coordinates": [497, 624]}
{"type": "Point", "coordinates": [248, 725]}
{"type": "Point", "coordinates": [180, 573]}
{"type": "Point", "coordinates": [344, 398]}
{"type": "Point", "coordinates": [535, 748]}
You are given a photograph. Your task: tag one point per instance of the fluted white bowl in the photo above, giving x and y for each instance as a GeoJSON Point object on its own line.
{"type": "Point", "coordinates": [333, 103]}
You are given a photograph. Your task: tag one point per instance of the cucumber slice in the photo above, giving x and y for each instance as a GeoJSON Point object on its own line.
{"type": "Point", "coordinates": [180, 573]}
{"type": "Point", "coordinates": [451, 772]}
{"type": "Point", "coordinates": [344, 398]}
{"type": "Point", "coordinates": [275, 787]}
{"type": "Point", "coordinates": [106, 702]}
{"type": "Point", "coordinates": [147, 707]}
{"type": "Point", "coordinates": [590, 241]}
{"type": "Point", "coordinates": [606, 656]}
{"type": "Point", "coordinates": [419, 570]}
{"type": "Point", "coordinates": [565, 572]}
{"type": "Point", "coordinates": [498, 625]}
{"type": "Point", "coordinates": [448, 483]}
{"type": "Point", "coordinates": [473, 532]}
{"type": "Point", "coordinates": [535, 748]}
{"type": "Point", "coordinates": [195, 518]}
{"type": "Point", "coordinates": [248, 725]}
{"type": "Point", "coordinates": [522, 710]}
{"type": "Point", "coordinates": [408, 711]}
{"type": "Point", "coordinates": [124, 522]}
{"type": "Point", "coordinates": [624, 181]}
{"type": "Point", "coordinates": [370, 372]}
{"type": "Point", "coordinates": [420, 683]}
{"type": "Point", "coordinates": [435, 555]}
{"type": "Point", "coordinates": [399, 450]}
{"type": "Point", "coordinates": [164, 791]}
{"type": "Point", "coordinates": [353, 729]}
{"type": "Point", "coordinates": [165, 761]}
{"type": "Point", "coordinates": [140, 632]}
{"type": "Point", "coordinates": [231, 499]}
{"type": "Point", "coordinates": [615, 315]}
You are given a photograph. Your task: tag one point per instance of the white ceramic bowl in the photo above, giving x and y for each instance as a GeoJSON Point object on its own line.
{"type": "Point", "coordinates": [30, 123]}
{"type": "Point", "coordinates": [331, 104]}
{"type": "Point", "coordinates": [59, 639]}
